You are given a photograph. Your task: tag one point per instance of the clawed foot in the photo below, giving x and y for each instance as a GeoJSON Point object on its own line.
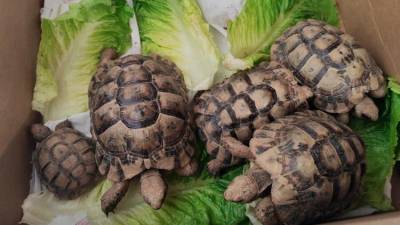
{"type": "Point", "coordinates": [113, 196]}
{"type": "Point", "coordinates": [153, 188]}
{"type": "Point", "coordinates": [367, 108]}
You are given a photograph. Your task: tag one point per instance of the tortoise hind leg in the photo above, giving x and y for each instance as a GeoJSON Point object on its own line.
{"type": "Point", "coordinates": [249, 186]}
{"type": "Point", "coordinates": [153, 188]}
{"type": "Point", "coordinates": [215, 166]}
{"type": "Point", "coordinates": [380, 83]}
{"type": "Point", "coordinates": [189, 169]}
{"type": "Point", "coordinates": [367, 108]}
{"type": "Point", "coordinates": [343, 117]}
{"type": "Point", "coordinates": [265, 212]}
{"type": "Point", "coordinates": [113, 196]}
{"type": "Point", "coordinates": [380, 92]}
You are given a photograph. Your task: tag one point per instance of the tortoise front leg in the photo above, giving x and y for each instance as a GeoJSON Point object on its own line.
{"type": "Point", "coordinates": [113, 196]}
{"type": "Point", "coordinates": [153, 188]}
{"type": "Point", "coordinates": [236, 148]}
{"type": "Point", "coordinates": [247, 187]}
{"type": "Point", "coordinates": [223, 157]}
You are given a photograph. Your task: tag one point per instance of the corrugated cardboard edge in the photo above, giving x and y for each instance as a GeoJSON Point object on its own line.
{"type": "Point", "coordinates": [19, 35]}
{"type": "Point", "coordinates": [379, 219]}
{"type": "Point", "coordinates": [375, 24]}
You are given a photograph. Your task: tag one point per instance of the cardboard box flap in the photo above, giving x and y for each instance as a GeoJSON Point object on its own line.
{"type": "Point", "coordinates": [375, 24]}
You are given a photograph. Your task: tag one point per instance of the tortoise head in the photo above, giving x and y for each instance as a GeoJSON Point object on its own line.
{"type": "Point", "coordinates": [40, 132]}
{"type": "Point", "coordinates": [107, 55]}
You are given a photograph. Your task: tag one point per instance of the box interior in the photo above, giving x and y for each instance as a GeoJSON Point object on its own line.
{"type": "Point", "coordinates": [372, 23]}
{"type": "Point", "coordinates": [375, 25]}
{"type": "Point", "coordinates": [19, 38]}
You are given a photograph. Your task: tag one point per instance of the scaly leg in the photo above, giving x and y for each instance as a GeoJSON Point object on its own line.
{"type": "Point", "coordinates": [380, 92]}
{"type": "Point", "coordinates": [236, 147]}
{"type": "Point", "coordinates": [153, 188]}
{"type": "Point", "coordinates": [223, 156]}
{"type": "Point", "coordinates": [215, 166]}
{"type": "Point", "coordinates": [343, 117]}
{"type": "Point", "coordinates": [189, 169]}
{"type": "Point", "coordinates": [265, 212]}
{"type": "Point", "coordinates": [113, 196]}
{"type": "Point", "coordinates": [367, 108]}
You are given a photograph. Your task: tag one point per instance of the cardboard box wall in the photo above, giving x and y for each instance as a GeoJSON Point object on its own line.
{"type": "Point", "coordinates": [375, 23]}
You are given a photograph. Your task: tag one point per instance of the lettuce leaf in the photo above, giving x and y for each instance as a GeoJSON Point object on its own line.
{"type": "Point", "coordinates": [190, 200]}
{"type": "Point", "coordinates": [69, 52]}
{"type": "Point", "coordinates": [176, 30]}
{"type": "Point", "coordinates": [381, 140]}
{"type": "Point", "coordinates": [260, 22]}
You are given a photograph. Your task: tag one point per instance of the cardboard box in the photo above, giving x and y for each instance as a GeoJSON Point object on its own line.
{"type": "Point", "coordinates": [374, 23]}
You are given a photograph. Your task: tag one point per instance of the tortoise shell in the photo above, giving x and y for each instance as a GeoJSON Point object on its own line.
{"type": "Point", "coordinates": [139, 116]}
{"type": "Point", "coordinates": [315, 162]}
{"type": "Point", "coordinates": [331, 62]}
{"type": "Point", "coordinates": [65, 162]}
{"type": "Point", "coordinates": [244, 102]}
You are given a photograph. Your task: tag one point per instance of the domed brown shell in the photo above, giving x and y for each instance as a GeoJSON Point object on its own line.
{"type": "Point", "coordinates": [139, 116]}
{"type": "Point", "coordinates": [316, 165]}
{"type": "Point", "coordinates": [244, 102]}
{"type": "Point", "coordinates": [331, 62]}
{"type": "Point", "coordinates": [65, 162]}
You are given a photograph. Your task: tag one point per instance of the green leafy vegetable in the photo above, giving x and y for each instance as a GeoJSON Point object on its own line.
{"type": "Point", "coordinates": [190, 200]}
{"type": "Point", "coordinates": [176, 29]}
{"type": "Point", "coordinates": [70, 50]}
{"type": "Point", "coordinates": [260, 22]}
{"type": "Point", "coordinates": [381, 140]}
{"type": "Point", "coordinates": [395, 115]}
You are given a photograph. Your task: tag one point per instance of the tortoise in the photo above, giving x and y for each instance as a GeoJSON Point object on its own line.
{"type": "Point", "coordinates": [64, 160]}
{"type": "Point", "coordinates": [340, 72]}
{"type": "Point", "coordinates": [242, 103]}
{"type": "Point", "coordinates": [306, 167]}
{"type": "Point", "coordinates": [140, 120]}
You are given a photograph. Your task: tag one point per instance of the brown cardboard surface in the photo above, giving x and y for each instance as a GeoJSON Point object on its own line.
{"type": "Point", "coordinates": [395, 188]}
{"type": "Point", "coordinates": [376, 25]}
{"type": "Point", "coordinates": [380, 219]}
{"type": "Point", "coordinates": [19, 36]}
{"type": "Point", "coordinates": [391, 218]}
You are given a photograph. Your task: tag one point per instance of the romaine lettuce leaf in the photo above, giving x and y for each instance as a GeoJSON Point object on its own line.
{"type": "Point", "coordinates": [190, 200]}
{"type": "Point", "coordinates": [176, 30]}
{"type": "Point", "coordinates": [381, 140]}
{"type": "Point", "coordinates": [69, 53]}
{"type": "Point", "coordinates": [260, 22]}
